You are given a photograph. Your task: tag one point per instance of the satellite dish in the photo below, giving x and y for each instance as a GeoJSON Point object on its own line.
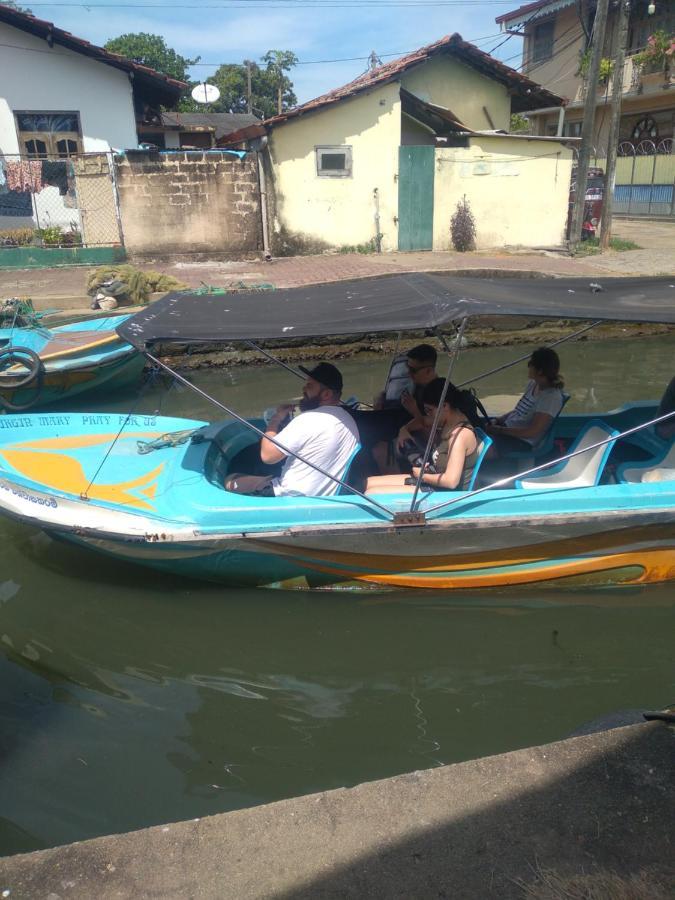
{"type": "Point", "coordinates": [205, 93]}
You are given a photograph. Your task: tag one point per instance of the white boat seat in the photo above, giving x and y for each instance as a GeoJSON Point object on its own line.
{"type": "Point", "coordinates": [584, 470]}
{"type": "Point", "coordinates": [660, 467]}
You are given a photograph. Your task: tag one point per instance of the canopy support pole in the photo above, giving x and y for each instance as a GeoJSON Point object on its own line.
{"type": "Point", "coordinates": [514, 362]}
{"type": "Point", "coordinates": [432, 433]}
{"type": "Point", "coordinates": [287, 452]}
{"type": "Point", "coordinates": [503, 481]}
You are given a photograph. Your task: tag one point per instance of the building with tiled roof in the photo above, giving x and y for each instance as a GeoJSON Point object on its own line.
{"type": "Point", "coordinates": [381, 162]}
{"type": "Point", "coordinates": [60, 94]}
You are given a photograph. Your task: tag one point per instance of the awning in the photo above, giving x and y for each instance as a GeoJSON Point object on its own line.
{"type": "Point", "coordinates": [394, 303]}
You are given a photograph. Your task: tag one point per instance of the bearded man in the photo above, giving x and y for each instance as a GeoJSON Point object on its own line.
{"type": "Point", "coordinates": [324, 434]}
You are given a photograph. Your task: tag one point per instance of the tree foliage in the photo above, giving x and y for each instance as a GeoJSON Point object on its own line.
{"type": "Point", "coordinates": [519, 124]}
{"type": "Point", "coordinates": [267, 83]}
{"type": "Point", "coordinates": [151, 50]}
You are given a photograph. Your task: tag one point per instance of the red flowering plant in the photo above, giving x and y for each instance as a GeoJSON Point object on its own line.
{"type": "Point", "coordinates": [658, 54]}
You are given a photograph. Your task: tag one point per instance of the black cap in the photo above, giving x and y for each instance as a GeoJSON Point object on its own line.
{"type": "Point", "coordinates": [326, 374]}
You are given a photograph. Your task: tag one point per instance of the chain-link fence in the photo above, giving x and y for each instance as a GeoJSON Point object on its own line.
{"type": "Point", "coordinates": [57, 202]}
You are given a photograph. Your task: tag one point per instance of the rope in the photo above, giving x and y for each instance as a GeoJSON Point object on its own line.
{"type": "Point", "coordinates": [85, 494]}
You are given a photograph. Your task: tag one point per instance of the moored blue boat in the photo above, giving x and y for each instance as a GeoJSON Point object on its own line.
{"type": "Point", "coordinates": [41, 366]}
{"type": "Point", "coordinates": [149, 490]}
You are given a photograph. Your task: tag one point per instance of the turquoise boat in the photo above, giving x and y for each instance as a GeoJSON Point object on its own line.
{"type": "Point", "coordinates": [40, 366]}
{"type": "Point", "coordinates": [149, 490]}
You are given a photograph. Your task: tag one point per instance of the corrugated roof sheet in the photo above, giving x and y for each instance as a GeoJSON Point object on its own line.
{"type": "Point", "coordinates": [222, 124]}
{"type": "Point", "coordinates": [529, 11]}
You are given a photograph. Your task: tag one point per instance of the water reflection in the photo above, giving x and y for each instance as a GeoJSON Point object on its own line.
{"type": "Point", "coordinates": [129, 698]}
{"type": "Point", "coordinates": [133, 705]}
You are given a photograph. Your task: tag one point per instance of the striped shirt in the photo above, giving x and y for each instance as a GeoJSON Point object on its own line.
{"type": "Point", "coordinates": [548, 401]}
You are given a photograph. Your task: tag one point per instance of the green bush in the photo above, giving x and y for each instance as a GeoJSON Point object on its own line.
{"type": "Point", "coordinates": [463, 227]}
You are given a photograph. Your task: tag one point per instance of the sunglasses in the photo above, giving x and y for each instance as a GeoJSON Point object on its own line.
{"type": "Point", "coordinates": [416, 368]}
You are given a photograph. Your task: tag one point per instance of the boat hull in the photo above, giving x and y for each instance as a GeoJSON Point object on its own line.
{"type": "Point", "coordinates": [631, 554]}
{"type": "Point", "coordinates": [77, 359]}
{"type": "Point", "coordinates": [166, 510]}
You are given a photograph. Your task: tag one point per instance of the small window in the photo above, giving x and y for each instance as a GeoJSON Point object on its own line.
{"type": "Point", "coordinates": [542, 42]}
{"type": "Point", "coordinates": [49, 134]}
{"type": "Point", "coordinates": [334, 162]}
{"type": "Point", "coordinates": [572, 129]}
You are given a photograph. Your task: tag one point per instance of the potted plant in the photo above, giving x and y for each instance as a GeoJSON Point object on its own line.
{"type": "Point", "coordinates": [655, 61]}
{"type": "Point", "coordinates": [604, 73]}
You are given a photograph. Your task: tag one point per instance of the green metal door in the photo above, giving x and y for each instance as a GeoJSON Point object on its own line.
{"type": "Point", "coordinates": [415, 198]}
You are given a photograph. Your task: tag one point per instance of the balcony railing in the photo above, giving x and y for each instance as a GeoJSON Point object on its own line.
{"type": "Point", "coordinates": [636, 80]}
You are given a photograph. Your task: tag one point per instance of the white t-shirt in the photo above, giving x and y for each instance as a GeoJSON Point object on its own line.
{"type": "Point", "coordinates": [548, 401]}
{"type": "Point", "coordinates": [327, 437]}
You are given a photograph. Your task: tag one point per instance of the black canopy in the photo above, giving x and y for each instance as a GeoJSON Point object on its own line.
{"type": "Point", "coordinates": [394, 303]}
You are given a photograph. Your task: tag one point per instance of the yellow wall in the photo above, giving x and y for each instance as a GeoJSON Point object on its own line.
{"type": "Point", "coordinates": [518, 191]}
{"type": "Point", "coordinates": [340, 211]}
{"type": "Point", "coordinates": [446, 82]}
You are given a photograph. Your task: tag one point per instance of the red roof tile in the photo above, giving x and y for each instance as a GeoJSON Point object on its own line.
{"type": "Point", "coordinates": [530, 94]}
{"type": "Point", "coordinates": [168, 87]}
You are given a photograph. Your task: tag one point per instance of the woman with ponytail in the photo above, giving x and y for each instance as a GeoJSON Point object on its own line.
{"type": "Point", "coordinates": [452, 462]}
{"type": "Point", "coordinates": [529, 421]}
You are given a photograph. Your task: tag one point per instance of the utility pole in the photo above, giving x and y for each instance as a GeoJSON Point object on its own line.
{"type": "Point", "coordinates": [613, 140]}
{"type": "Point", "coordinates": [588, 126]}
{"type": "Point", "coordinates": [374, 61]}
{"type": "Point", "coordinates": [249, 92]}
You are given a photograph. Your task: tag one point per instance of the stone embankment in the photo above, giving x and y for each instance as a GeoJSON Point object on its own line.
{"type": "Point", "coordinates": [590, 816]}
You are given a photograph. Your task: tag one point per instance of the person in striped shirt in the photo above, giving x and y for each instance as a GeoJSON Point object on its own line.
{"type": "Point", "coordinates": [527, 424]}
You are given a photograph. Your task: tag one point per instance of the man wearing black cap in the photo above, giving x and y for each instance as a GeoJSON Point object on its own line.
{"type": "Point", "coordinates": [324, 434]}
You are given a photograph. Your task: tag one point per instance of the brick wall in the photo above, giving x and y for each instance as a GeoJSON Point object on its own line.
{"type": "Point", "coordinates": [189, 202]}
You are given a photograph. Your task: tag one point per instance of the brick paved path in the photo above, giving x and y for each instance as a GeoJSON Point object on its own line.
{"type": "Point", "coordinates": [64, 288]}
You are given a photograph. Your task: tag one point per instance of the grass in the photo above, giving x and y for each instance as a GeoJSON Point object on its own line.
{"type": "Point", "coordinates": [369, 247]}
{"type": "Point", "coordinates": [592, 246]}
{"type": "Point", "coordinates": [644, 885]}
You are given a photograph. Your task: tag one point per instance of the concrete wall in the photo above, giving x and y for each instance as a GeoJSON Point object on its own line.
{"type": "Point", "coordinates": [518, 191]}
{"type": "Point", "coordinates": [59, 80]}
{"type": "Point", "coordinates": [189, 202]}
{"type": "Point", "coordinates": [447, 82]}
{"type": "Point", "coordinates": [312, 210]}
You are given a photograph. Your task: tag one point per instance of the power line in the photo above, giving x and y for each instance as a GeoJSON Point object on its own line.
{"type": "Point", "coordinates": [262, 4]}
{"type": "Point", "coordinates": [302, 62]}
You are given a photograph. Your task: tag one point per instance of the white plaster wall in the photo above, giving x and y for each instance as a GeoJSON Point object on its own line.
{"type": "Point", "coordinates": [517, 189]}
{"type": "Point", "coordinates": [340, 211]}
{"type": "Point", "coordinates": [62, 81]}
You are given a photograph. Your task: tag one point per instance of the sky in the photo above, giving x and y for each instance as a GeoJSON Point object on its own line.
{"type": "Point", "coordinates": [229, 31]}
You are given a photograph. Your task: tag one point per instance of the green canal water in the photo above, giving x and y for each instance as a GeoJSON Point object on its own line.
{"type": "Point", "coordinates": [129, 699]}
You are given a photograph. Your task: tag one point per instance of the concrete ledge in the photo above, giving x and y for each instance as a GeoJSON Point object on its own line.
{"type": "Point", "coordinates": [600, 805]}
{"type": "Point", "coordinates": [46, 258]}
